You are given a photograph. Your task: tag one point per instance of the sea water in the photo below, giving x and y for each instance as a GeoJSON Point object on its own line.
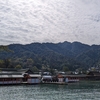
{"type": "Point", "coordinates": [72, 91]}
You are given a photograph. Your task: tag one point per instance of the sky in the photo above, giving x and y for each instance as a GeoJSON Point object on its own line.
{"type": "Point", "coordinates": [29, 21]}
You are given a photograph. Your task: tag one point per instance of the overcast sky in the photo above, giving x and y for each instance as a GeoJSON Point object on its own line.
{"type": "Point", "coordinates": [28, 21]}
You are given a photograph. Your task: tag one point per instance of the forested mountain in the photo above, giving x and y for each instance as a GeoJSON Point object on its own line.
{"type": "Point", "coordinates": [66, 55]}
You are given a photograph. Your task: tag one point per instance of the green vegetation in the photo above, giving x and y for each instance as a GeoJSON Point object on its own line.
{"type": "Point", "coordinates": [18, 67]}
{"type": "Point", "coordinates": [5, 48]}
{"type": "Point", "coordinates": [48, 56]}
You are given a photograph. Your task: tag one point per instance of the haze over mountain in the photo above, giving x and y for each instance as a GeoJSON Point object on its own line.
{"type": "Point", "coordinates": [27, 21]}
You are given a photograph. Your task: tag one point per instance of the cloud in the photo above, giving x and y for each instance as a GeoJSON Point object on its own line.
{"type": "Point", "coordinates": [27, 21]}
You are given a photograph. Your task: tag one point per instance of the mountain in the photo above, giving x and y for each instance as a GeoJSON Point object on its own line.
{"type": "Point", "coordinates": [73, 55]}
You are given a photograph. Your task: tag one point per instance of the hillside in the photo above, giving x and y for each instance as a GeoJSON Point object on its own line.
{"type": "Point", "coordinates": [49, 55]}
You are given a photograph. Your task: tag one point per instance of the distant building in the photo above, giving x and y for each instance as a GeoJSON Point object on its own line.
{"type": "Point", "coordinates": [14, 76]}
{"type": "Point", "coordinates": [10, 77]}
{"type": "Point", "coordinates": [94, 75]}
{"type": "Point", "coordinates": [46, 78]}
{"type": "Point", "coordinates": [34, 79]}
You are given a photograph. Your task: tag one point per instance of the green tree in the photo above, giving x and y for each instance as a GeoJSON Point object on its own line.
{"type": "Point", "coordinates": [18, 67]}
{"type": "Point", "coordinates": [5, 48]}
{"type": "Point", "coordinates": [65, 68]}
{"type": "Point", "coordinates": [1, 63]}
{"type": "Point", "coordinates": [7, 63]}
{"type": "Point", "coordinates": [35, 69]}
{"type": "Point", "coordinates": [30, 62]}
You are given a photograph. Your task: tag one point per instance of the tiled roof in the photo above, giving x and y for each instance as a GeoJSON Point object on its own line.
{"type": "Point", "coordinates": [11, 76]}
{"type": "Point", "coordinates": [35, 75]}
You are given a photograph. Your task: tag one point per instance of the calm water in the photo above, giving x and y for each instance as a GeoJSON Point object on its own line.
{"type": "Point", "coordinates": [75, 91]}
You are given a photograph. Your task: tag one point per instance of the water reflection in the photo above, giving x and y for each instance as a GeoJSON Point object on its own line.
{"type": "Point", "coordinates": [72, 91]}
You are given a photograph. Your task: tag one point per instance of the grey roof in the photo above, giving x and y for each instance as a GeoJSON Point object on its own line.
{"type": "Point", "coordinates": [34, 75]}
{"type": "Point", "coordinates": [46, 77]}
{"type": "Point", "coordinates": [23, 70]}
{"type": "Point", "coordinates": [8, 69]}
{"type": "Point", "coordinates": [82, 75]}
{"type": "Point", "coordinates": [14, 71]}
{"type": "Point", "coordinates": [11, 76]}
{"type": "Point", "coordinates": [10, 73]}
